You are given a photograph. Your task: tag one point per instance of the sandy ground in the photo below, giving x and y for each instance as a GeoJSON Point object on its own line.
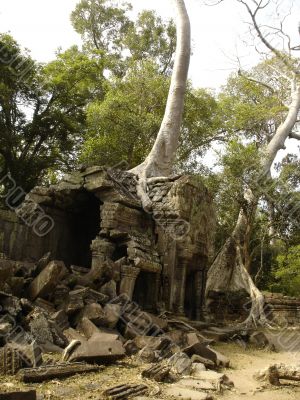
{"type": "Point", "coordinates": [245, 362]}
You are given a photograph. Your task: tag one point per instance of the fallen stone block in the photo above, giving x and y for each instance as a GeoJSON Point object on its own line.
{"type": "Point", "coordinates": [61, 319]}
{"type": "Point", "coordinates": [74, 302]}
{"type": "Point", "coordinates": [207, 353]}
{"type": "Point", "coordinates": [72, 334]}
{"type": "Point", "coordinates": [207, 363]}
{"type": "Point", "coordinates": [274, 373]}
{"type": "Point", "coordinates": [46, 281]}
{"type": "Point", "coordinates": [30, 354]}
{"type": "Point", "coordinates": [194, 338]}
{"type": "Point", "coordinates": [96, 350]}
{"type": "Point", "coordinates": [10, 304]}
{"type": "Point", "coordinates": [10, 361]}
{"type": "Point", "coordinates": [125, 391]}
{"type": "Point", "coordinates": [180, 393]}
{"type": "Point", "coordinates": [180, 364]}
{"type": "Point", "coordinates": [43, 262]}
{"type": "Point", "coordinates": [93, 312]}
{"type": "Point", "coordinates": [112, 314]}
{"type": "Point", "coordinates": [44, 305]}
{"type": "Point", "coordinates": [56, 371]}
{"type": "Point", "coordinates": [87, 328]}
{"type": "Point", "coordinates": [159, 373]}
{"type": "Point", "coordinates": [197, 368]}
{"type": "Point", "coordinates": [28, 395]}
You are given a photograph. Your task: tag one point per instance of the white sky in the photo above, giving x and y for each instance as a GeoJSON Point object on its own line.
{"type": "Point", "coordinates": [44, 25]}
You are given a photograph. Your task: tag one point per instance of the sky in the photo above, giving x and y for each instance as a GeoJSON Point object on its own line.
{"type": "Point", "coordinates": [44, 25]}
{"type": "Point", "coordinates": [218, 33]}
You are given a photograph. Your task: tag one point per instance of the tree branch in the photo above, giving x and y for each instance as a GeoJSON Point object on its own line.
{"type": "Point", "coordinates": [294, 135]}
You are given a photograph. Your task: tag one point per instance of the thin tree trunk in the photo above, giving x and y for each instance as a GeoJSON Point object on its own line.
{"type": "Point", "coordinates": [228, 272]}
{"type": "Point", "coordinates": [159, 161]}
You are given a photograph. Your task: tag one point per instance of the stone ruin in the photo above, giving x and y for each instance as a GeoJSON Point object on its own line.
{"type": "Point", "coordinates": [99, 230]}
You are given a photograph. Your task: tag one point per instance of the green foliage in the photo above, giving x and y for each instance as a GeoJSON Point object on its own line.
{"type": "Point", "coordinates": [105, 25]}
{"type": "Point", "coordinates": [250, 108]}
{"type": "Point", "coordinates": [101, 23]}
{"type": "Point", "coordinates": [42, 109]}
{"type": "Point", "coordinates": [124, 126]}
{"type": "Point", "coordinates": [287, 272]}
{"type": "Point", "coordinates": [152, 38]}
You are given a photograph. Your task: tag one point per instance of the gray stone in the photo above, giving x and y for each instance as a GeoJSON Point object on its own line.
{"type": "Point", "coordinates": [20, 395]}
{"type": "Point", "coordinates": [96, 350]}
{"type": "Point", "coordinates": [180, 363]}
{"type": "Point", "coordinates": [46, 281]}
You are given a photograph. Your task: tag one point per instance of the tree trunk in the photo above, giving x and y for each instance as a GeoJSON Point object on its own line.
{"type": "Point", "coordinates": [228, 271]}
{"type": "Point", "coordinates": [159, 161]}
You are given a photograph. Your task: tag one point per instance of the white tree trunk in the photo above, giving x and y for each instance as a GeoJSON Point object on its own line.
{"type": "Point", "coordinates": [159, 161]}
{"type": "Point", "coordinates": [228, 272]}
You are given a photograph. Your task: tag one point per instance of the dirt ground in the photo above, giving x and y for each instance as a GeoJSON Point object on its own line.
{"type": "Point", "coordinates": [245, 362]}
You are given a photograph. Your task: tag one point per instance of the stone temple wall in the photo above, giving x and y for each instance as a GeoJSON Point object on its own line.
{"type": "Point", "coordinates": [159, 259]}
{"type": "Point", "coordinates": [235, 306]}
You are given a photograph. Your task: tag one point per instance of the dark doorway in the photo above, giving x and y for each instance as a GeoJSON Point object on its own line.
{"type": "Point", "coordinates": [145, 291]}
{"type": "Point", "coordinates": [190, 306]}
{"type": "Point", "coordinates": [75, 228]}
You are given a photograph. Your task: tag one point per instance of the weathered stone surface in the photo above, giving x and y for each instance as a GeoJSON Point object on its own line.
{"type": "Point", "coordinates": [87, 328]}
{"type": "Point", "coordinates": [72, 334]}
{"type": "Point", "coordinates": [94, 312]}
{"type": "Point", "coordinates": [10, 361]}
{"type": "Point", "coordinates": [10, 304]}
{"type": "Point", "coordinates": [197, 368]}
{"type": "Point", "coordinates": [96, 350]}
{"type": "Point", "coordinates": [125, 391]}
{"type": "Point", "coordinates": [180, 364]}
{"type": "Point", "coordinates": [46, 281]}
{"type": "Point", "coordinates": [57, 371]}
{"type": "Point", "coordinates": [98, 219]}
{"type": "Point", "coordinates": [28, 395]}
{"type": "Point", "coordinates": [30, 354]}
{"type": "Point", "coordinates": [158, 372]}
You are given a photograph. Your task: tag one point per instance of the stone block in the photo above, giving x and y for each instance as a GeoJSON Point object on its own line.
{"type": "Point", "coordinates": [99, 351]}
{"type": "Point", "coordinates": [46, 281]}
{"type": "Point", "coordinates": [28, 395]}
{"type": "Point", "coordinates": [30, 354]}
{"type": "Point", "coordinates": [10, 361]}
{"type": "Point", "coordinates": [87, 328]}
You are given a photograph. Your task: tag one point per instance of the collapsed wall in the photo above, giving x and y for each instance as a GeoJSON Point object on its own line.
{"type": "Point", "coordinates": [99, 230]}
{"type": "Point", "coordinates": [234, 307]}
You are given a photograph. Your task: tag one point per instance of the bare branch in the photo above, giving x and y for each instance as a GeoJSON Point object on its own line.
{"type": "Point", "coordinates": [294, 135]}
{"type": "Point", "coordinates": [259, 6]}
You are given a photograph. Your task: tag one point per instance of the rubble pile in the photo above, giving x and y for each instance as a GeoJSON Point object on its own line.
{"type": "Point", "coordinates": [46, 309]}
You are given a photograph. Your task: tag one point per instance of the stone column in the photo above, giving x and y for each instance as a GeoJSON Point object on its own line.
{"type": "Point", "coordinates": [102, 250]}
{"type": "Point", "coordinates": [128, 279]}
